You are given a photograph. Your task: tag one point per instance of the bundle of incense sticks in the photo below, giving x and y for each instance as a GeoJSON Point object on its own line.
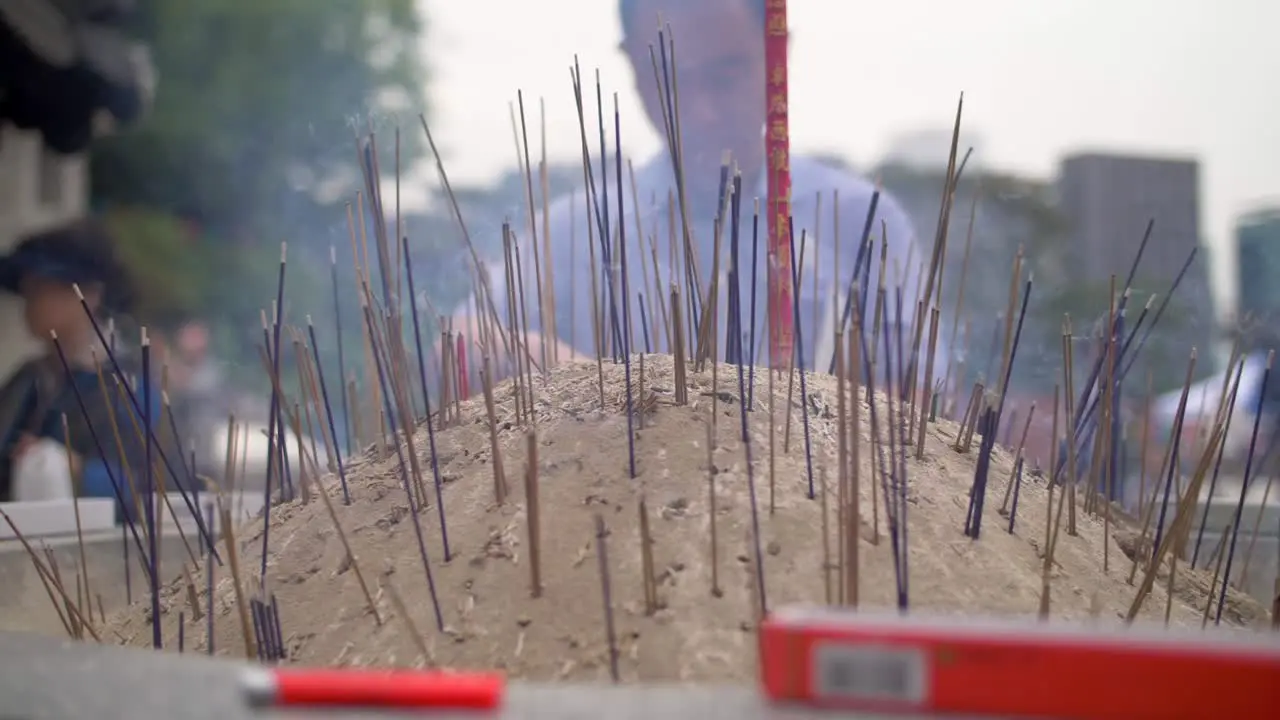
{"type": "Point", "coordinates": [886, 341]}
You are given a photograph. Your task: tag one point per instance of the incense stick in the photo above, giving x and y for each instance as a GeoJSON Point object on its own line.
{"type": "Point", "coordinates": [404, 472]}
{"type": "Point", "coordinates": [610, 634]}
{"type": "Point", "coordinates": [532, 511]}
{"type": "Point", "coordinates": [1244, 486]}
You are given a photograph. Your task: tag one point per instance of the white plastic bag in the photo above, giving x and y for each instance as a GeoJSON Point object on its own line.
{"type": "Point", "coordinates": [42, 472]}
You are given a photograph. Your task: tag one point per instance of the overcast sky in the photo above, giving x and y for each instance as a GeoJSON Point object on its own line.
{"type": "Point", "coordinates": [1041, 78]}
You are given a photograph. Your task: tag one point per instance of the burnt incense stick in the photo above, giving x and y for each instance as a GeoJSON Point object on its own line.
{"type": "Point", "coordinates": [646, 560]}
{"type": "Point", "coordinates": [712, 509]}
{"type": "Point", "coordinates": [1217, 465]}
{"type": "Point", "coordinates": [58, 608]}
{"type": "Point", "coordinates": [1086, 411]}
{"type": "Point", "coordinates": [1072, 453]}
{"type": "Point", "coordinates": [755, 507]}
{"type": "Point", "coordinates": [281, 650]}
{"type": "Point", "coordinates": [1176, 437]}
{"type": "Point", "coordinates": [842, 458]}
{"type": "Point", "coordinates": [927, 400]}
{"type": "Point", "coordinates": [669, 100]}
{"type": "Point", "coordinates": [324, 495]}
{"type": "Point", "coordinates": [533, 513]}
{"type": "Point", "coordinates": [328, 410]}
{"type": "Point", "coordinates": [159, 495]}
{"type": "Point", "coordinates": [678, 351]}
{"type": "Point", "coordinates": [395, 361]}
{"type": "Point", "coordinates": [603, 558]}
{"type": "Point", "coordinates": [626, 293]}
{"type": "Point", "coordinates": [1180, 526]}
{"type": "Point", "coordinates": [70, 605]}
{"type": "Point", "coordinates": [1016, 482]}
{"type": "Point", "coordinates": [125, 466]}
{"type": "Point", "coordinates": [940, 239]}
{"type": "Point", "coordinates": [193, 595]}
{"type": "Point", "coordinates": [209, 571]}
{"type": "Point", "coordinates": [274, 429]}
{"type": "Point", "coordinates": [513, 322]}
{"type": "Point", "coordinates": [149, 491]}
{"type": "Point", "coordinates": [426, 403]}
{"type": "Point", "coordinates": [75, 505]}
{"type": "Point", "coordinates": [545, 323]}
{"type": "Point", "coordinates": [755, 266]}
{"type": "Point", "coordinates": [1216, 560]}
{"type": "Point", "coordinates": [799, 349]}
{"type": "Point", "coordinates": [495, 450]}
{"type": "Point", "coordinates": [109, 346]}
{"type": "Point", "coordinates": [1053, 523]}
{"type": "Point", "coordinates": [825, 511]}
{"type": "Point", "coordinates": [1012, 356]}
{"type": "Point", "coordinates": [660, 300]}
{"type": "Point", "coordinates": [402, 611]}
{"type": "Point", "coordinates": [166, 408]}
{"type": "Point", "coordinates": [1018, 457]}
{"type": "Point", "coordinates": [304, 485]}
{"type": "Point", "coordinates": [1147, 509]}
{"type": "Point", "coordinates": [50, 584]}
{"type": "Point", "coordinates": [863, 256]}
{"type": "Point", "coordinates": [479, 268]}
{"type": "Point", "coordinates": [1242, 583]}
{"type": "Point", "coordinates": [404, 470]}
{"type": "Point", "coordinates": [259, 638]}
{"type": "Point", "coordinates": [644, 323]}
{"type": "Point", "coordinates": [600, 226]}
{"type": "Point", "coordinates": [128, 576]}
{"type": "Point", "coordinates": [897, 450]}
{"type": "Point", "coordinates": [1244, 485]}
{"type": "Point", "coordinates": [982, 468]}
{"type": "Point", "coordinates": [853, 515]}
{"type": "Point", "coordinates": [527, 381]}
{"type": "Point", "coordinates": [618, 327]}
{"type": "Point", "coordinates": [644, 266]}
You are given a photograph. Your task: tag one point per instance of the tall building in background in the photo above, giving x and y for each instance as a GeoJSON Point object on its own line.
{"type": "Point", "coordinates": [1106, 201]}
{"type": "Point", "coordinates": [1257, 249]}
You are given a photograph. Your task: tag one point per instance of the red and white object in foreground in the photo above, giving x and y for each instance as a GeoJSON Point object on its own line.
{"type": "Point", "coordinates": [307, 687]}
{"type": "Point", "coordinates": [853, 660]}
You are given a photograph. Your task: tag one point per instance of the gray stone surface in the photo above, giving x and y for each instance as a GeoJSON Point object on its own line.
{"type": "Point", "coordinates": [42, 678]}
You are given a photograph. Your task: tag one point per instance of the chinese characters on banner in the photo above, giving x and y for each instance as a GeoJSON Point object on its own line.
{"type": "Point", "coordinates": [778, 167]}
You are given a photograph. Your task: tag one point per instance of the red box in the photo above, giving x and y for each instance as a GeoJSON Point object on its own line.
{"type": "Point", "coordinates": [847, 659]}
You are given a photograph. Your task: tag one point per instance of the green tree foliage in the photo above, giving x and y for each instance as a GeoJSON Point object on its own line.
{"type": "Point", "coordinates": [258, 103]}
{"type": "Point", "coordinates": [250, 142]}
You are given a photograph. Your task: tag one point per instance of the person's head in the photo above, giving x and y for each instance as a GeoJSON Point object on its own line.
{"type": "Point", "coordinates": [720, 57]}
{"type": "Point", "coordinates": [193, 341]}
{"type": "Point", "coordinates": [46, 267]}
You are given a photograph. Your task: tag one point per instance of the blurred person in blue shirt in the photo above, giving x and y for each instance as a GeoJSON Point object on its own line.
{"type": "Point", "coordinates": [44, 269]}
{"type": "Point", "coordinates": [722, 107]}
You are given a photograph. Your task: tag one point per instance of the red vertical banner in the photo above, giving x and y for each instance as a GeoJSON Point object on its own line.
{"type": "Point", "coordinates": [778, 166]}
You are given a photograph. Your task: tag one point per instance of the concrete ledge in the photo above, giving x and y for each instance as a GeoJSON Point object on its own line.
{"type": "Point", "coordinates": [24, 603]}
{"type": "Point", "coordinates": [42, 518]}
{"type": "Point", "coordinates": [54, 518]}
{"type": "Point", "coordinates": [41, 677]}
